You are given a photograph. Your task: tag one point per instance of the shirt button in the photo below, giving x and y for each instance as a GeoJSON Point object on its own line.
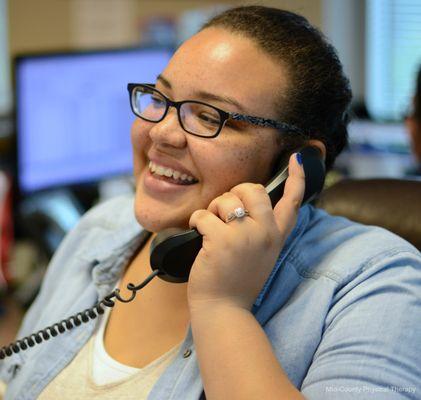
{"type": "Point", "coordinates": [187, 353]}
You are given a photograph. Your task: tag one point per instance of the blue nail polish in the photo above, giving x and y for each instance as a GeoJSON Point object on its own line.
{"type": "Point", "coordinates": [299, 158]}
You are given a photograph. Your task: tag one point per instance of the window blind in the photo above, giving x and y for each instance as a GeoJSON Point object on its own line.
{"type": "Point", "coordinates": [393, 56]}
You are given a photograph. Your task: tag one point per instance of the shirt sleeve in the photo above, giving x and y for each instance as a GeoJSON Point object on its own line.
{"type": "Point", "coordinates": [67, 248]}
{"type": "Point", "coordinates": [371, 344]}
{"type": "Point", "coordinates": [108, 216]}
{"type": "Point", "coordinates": [33, 315]}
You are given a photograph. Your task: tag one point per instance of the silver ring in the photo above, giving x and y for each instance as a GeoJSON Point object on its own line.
{"type": "Point", "coordinates": [239, 212]}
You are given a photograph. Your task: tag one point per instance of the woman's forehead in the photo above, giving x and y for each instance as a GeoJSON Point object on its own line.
{"type": "Point", "coordinates": [220, 62]}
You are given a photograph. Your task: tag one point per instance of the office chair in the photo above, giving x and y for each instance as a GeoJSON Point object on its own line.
{"type": "Point", "coordinates": [393, 204]}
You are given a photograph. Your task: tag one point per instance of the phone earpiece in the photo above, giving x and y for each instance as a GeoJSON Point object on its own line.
{"type": "Point", "coordinates": [174, 250]}
{"type": "Point", "coordinates": [314, 170]}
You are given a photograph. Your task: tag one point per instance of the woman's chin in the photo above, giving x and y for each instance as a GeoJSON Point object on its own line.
{"type": "Point", "coordinates": [155, 223]}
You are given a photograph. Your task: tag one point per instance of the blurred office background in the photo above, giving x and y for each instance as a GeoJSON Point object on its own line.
{"type": "Point", "coordinates": [65, 118]}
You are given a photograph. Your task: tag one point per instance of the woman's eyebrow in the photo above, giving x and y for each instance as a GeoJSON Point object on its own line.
{"type": "Point", "coordinates": [225, 99]}
{"type": "Point", "coordinates": [207, 96]}
{"type": "Point", "coordinates": [164, 81]}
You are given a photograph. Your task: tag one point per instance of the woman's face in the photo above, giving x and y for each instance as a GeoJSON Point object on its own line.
{"type": "Point", "coordinates": [229, 72]}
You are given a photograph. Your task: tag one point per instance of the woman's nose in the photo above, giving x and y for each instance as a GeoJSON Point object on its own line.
{"type": "Point", "coordinates": [168, 131]}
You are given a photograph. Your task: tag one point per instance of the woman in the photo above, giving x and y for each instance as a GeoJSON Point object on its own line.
{"type": "Point", "coordinates": [282, 303]}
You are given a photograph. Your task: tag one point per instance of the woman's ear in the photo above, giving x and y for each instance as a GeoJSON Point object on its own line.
{"type": "Point", "coordinates": [320, 145]}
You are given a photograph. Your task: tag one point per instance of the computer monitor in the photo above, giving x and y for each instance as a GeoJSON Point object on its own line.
{"type": "Point", "coordinates": [73, 115]}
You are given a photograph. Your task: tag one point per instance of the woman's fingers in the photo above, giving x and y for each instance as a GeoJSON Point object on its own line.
{"type": "Point", "coordinates": [256, 201]}
{"type": "Point", "coordinates": [286, 210]}
{"type": "Point", "coordinates": [225, 204]}
{"type": "Point", "coordinates": [253, 198]}
{"type": "Point", "coordinates": [205, 222]}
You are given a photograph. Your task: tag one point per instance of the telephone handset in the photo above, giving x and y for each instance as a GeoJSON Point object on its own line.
{"type": "Point", "coordinates": [174, 250]}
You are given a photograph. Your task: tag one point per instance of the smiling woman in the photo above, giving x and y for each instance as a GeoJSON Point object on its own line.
{"type": "Point", "coordinates": [213, 61]}
{"type": "Point", "coordinates": [281, 303]}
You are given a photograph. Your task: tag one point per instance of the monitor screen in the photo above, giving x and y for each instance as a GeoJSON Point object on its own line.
{"type": "Point", "coordinates": [73, 114]}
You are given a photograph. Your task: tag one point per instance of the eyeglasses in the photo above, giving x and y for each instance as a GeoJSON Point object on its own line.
{"type": "Point", "coordinates": [195, 117]}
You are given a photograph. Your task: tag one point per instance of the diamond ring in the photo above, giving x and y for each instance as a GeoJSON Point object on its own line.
{"type": "Point", "coordinates": [239, 212]}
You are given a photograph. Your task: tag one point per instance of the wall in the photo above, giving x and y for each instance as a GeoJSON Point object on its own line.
{"type": "Point", "coordinates": [44, 25]}
{"type": "Point", "coordinates": [38, 25]}
{"type": "Point", "coordinates": [348, 36]}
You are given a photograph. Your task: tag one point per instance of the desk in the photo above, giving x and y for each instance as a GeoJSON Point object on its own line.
{"type": "Point", "coordinates": [376, 150]}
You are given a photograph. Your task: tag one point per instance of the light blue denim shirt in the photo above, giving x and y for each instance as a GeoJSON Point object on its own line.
{"type": "Point", "coordinates": [342, 308]}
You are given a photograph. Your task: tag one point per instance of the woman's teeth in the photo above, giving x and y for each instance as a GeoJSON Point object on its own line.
{"type": "Point", "coordinates": [170, 173]}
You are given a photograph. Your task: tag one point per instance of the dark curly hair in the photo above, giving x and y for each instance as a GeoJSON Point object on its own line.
{"type": "Point", "coordinates": [318, 95]}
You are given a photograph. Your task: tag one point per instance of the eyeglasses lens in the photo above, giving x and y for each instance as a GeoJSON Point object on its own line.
{"type": "Point", "coordinates": [199, 119]}
{"type": "Point", "coordinates": [148, 104]}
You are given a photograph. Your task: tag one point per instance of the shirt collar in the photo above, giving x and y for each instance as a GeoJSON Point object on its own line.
{"type": "Point", "coordinates": [114, 250]}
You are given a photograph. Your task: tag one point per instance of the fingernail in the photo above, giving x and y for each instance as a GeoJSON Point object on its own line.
{"type": "Point", "coordinates": [299, 158]}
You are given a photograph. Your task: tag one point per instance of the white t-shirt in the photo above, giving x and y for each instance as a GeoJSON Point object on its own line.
{"type": "Point", "coordinates": [105, 369]}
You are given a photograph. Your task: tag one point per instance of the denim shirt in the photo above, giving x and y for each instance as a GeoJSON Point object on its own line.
{"type": "Point", "coordinates": [341, 307]}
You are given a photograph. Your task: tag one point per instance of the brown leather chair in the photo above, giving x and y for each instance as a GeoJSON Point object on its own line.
{"type": "Point", "coordinates": [393, 204]}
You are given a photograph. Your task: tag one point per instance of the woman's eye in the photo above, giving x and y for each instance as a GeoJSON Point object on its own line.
{"type": "Point", "coordinates": [210, 119]}
{"type": "Point", "coordinates": [157, 101]}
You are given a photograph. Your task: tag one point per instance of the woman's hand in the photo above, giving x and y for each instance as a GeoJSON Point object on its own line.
{"type": "Point", "coordinates": [237, 256]}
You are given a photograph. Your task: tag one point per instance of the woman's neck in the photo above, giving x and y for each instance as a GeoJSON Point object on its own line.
{"type": "Point", "coordinates": [162, 293]}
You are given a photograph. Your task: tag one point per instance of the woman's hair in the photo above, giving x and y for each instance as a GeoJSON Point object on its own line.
{"type": "Point", "coordinates": [318, 94]}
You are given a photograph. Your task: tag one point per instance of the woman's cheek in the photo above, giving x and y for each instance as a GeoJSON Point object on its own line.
{"type": "Point", "coordinates": [135, 136]}
{"type": "Point", "coordinates": [138, 148]}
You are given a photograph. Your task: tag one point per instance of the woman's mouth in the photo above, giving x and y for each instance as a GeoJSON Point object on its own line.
{"type": "Point", "coordinates": [170, 175]}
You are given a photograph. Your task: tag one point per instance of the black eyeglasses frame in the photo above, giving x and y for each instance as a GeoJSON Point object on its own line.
{"type": "Point", "coordinates": [224, 115]}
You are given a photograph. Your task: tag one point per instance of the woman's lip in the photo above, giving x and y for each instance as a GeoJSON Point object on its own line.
{"type": "Point", "coordinates": [170, 164]}
{"type": "Point", "coordinates": [154, 185]}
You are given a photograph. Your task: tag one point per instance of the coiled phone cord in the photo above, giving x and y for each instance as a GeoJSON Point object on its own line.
{"type": "Point", "coordinates": [74, 320]}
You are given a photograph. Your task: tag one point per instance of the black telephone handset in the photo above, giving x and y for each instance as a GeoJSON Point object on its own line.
{"type": "Point", "coordinates": [174, 250]}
